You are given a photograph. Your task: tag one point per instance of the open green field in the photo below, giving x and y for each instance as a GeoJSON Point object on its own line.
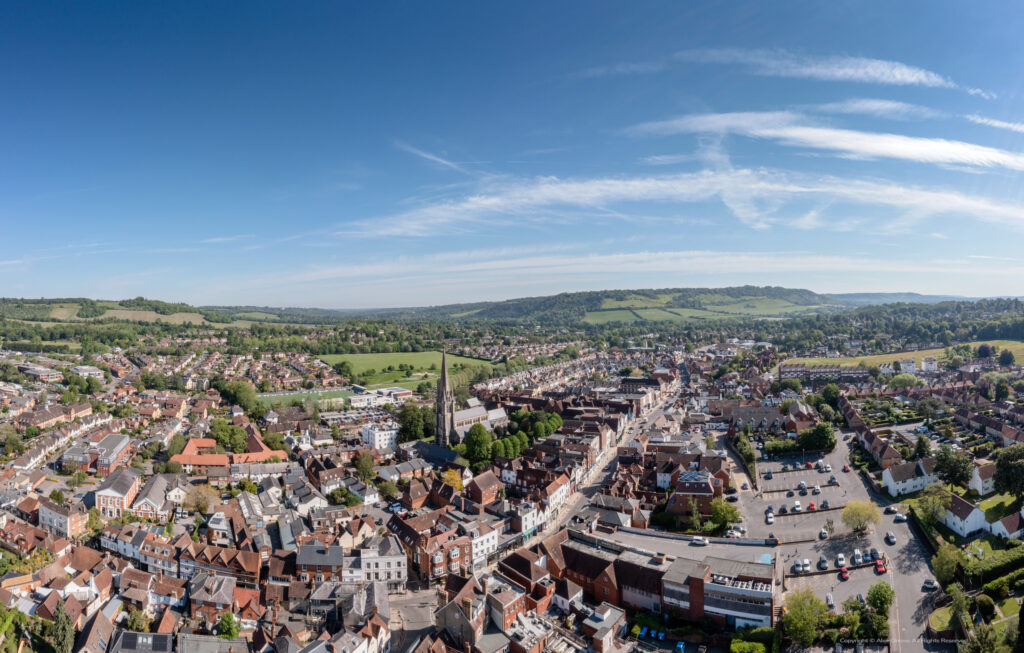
{"type": "Point", "coordinates": [1013, 345]}
{"type": "Point", "coordinates": [712, 306]}
{"type": "Point", "coordinates": [286, 400]}
{"type": "Point", "coordinates": [420, 360]}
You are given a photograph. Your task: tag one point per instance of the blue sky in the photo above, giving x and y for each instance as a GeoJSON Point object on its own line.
{"type": "Point", "coordinates": [395, 154]}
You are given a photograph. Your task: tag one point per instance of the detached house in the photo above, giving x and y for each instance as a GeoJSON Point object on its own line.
{"type": "Point", "coordinates": [905, 478]}
{"type": "Point", "coordinates": [964, 518]}
{"type": "Point", "coordinates": [983, 479]}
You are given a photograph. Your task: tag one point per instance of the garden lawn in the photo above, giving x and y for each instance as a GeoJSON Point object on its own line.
{"type": "Point", "coordinates": [942, 619]}
{"type": "Point", "coordinates": [1009, 607]}
{"type": "Point", "coordinates": [997, 507]}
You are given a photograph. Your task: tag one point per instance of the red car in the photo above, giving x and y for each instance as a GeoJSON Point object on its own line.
{"type": "Point", "coordinates": [810, 506]}
{"type": "Point", "coordinates": [810, 465]}
{"type": "Point", "coordinates": [844, 573]}
{"type": "Point", "coordinates": [879, 567]}
{"type": "Point", "coordinates": [846, 468]}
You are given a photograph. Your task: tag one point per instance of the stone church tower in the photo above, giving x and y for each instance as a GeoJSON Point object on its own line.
{"type": "Point", "coordinates": [444, 407]}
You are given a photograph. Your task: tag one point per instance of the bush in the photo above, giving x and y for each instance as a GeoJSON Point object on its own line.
{"type": "Point", "coordinates": [763, 635]}
{"type": "Point", "coordinates": [738, 646]}
{"type": "Point", "coordinates": [987, 606]}
{"type": "Point", "coordinates": [830, 636]}
{"type": "Point", "coordinates": [1002, 562]}
{"type": "Point", "coordinates": [999, 588]}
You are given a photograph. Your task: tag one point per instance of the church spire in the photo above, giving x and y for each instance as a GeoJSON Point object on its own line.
{"type": "Point", "coordinates": [444, 407]}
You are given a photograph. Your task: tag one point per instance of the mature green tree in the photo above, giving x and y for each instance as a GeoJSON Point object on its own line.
{"type": "Point", "coordinates": [945, 562]}
{"type": "Point", "coordinates": [1009, 476]}
{"type": "Point", "coordinates": [176, 446]}
{"type": "Point", "coordinates": [1006, 358]}
{"type": "Point", "coordinates": [830, 393]}
{"type": "Point", "coordinates": [246, 485]}
{"type": "Point", "coordinates": [388, 490]}
{"type": "Point", "coordinates": [792, 384]}
{"type": "Point", "coordinates": [337, 496]}
{"type": "Point", "coordinates": [857, 515]}
{"type": "Point", "coordinates": [932, 503]}
{"type": "Point", "coordinates": [478, 444]}
{"type": "Point", "coordinates": [275, 441]}
{"type": "Point", "coordinates": [984, 640]}
{"type": "Point", "coordinates": [227, 627]}
{"type": "Point", "coordinates": [723, 513]}
{"type": "Point", "coordinates": [57, 497]}
{"type": "Point", "coordinates": [63, 630]}
{"type": "Point", "coordinates": [822, 436]}
{"type": "Point", "coordinates": [903, 381]}
{"type": "Point", "coordinates": [880, 597]}
{"type": "Point", "coordinates": [498, 449]}
{"type": "Point", "coordinates": [954, 467]}
{"type": "Point", "coordinates": [804, 616]}
{"type": "Point", "coordinates": [923, 447]}
{"type": "Point", "coordinates": [410, 423]}
{"type": "Point", "coordinates": [364, 467]}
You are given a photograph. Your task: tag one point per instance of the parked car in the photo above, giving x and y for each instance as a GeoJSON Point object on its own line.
{"type": "Point", "coordinates": [823, 562]}
{"type": "Point", "coordinates": [832, 480]}
{"type": "Point", "coordinates": [789, 493]}
{"type": "Point", "coordinates": [769, 509]}
{"type": "Point", "coordinates": [875, 555]}
{"type": "Point", "coordinates": [879, 567]}
{"type": "Point", "coordinates": [697, 540]}
{"type": "Point", "coordinates": [746, 486]}
{"type": "Point", "coordinates": [770, 519]}
{"type": "Point", "coordinates": [803, 491]}
{"type": "Point", "coordinates": [860, 597]}
{"type": "Point", "coordinates": [891, 510]}
{"type": "Point", "coordinates": [857, 557]}
{"type": "Point", "coordinates": [768, 475]}
{"type": "Point", "coordinates": [796, 506]}
{"type": "Point", "coordinates": [930, 585]}
{"type": "Point", "coordinates": [732, 498]}
{"type": "Point", "coordinates": [807, 565]}
{"type": "Point", "coordinates": [810, 506]}
{"type": "Point", "coordinates": [802, 485]}
{"type": "Point", "coordinates": [840, 560]}
{"type": "Point", "coordinates": [890, 538]}
{"type": "Point", "coordinates": [844, 573]}
{"type": "Point", "coordinates": [846, 468]}
{"type": "Point", "coordinates": [783, 509]}
{"type": "Point", "coordinates": [823, 534]}
{"type": "Point", "coordinates": [899, 518]}
{"type": "Point", "coordinates": [830, 602]}
{"type": "Point", "coordinates": [824, 504]}
{"type": "Point", "coordinates": [828, 469]}
{"type": "Point", "coordinates": [816, 490]}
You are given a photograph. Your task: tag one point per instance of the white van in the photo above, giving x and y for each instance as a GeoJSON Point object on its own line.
{"type": "Point", "coordinates": [857, 557]}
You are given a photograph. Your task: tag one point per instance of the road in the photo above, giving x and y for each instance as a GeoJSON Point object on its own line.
{"type": "Point", "coordinates": [412, 616]}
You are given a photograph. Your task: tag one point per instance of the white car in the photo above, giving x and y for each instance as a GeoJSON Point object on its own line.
{"type": "Point", "coordinates": [828, 469]}
{"type": "Point", "coordinates": [699, 541]}
{"type": "Point", "coordinates": [770, 519]}
{"type": "Point", "coordinates": [797, 507]}
{"type": "Point", "coordinates": [807, 565]}
{"type": "Point", "coordinates": [840, 560]}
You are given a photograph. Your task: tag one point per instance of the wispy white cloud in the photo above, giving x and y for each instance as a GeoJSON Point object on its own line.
{"type": "Point", "coordinates": [986, 257]}
{"type": "Point", "coordinates": [987, 95]}
{"type": "Point", "coordinates": [782, 63]}
{"type": "Point", "coordinates": [755, 197]}
{"type": "Point", "coordinates": [998, 124]}
{"type": "Point", "coordinates": [793, 129]}
{"type": "Point", "coordinates": [226, 239]}
{"type": "Point", "coordinates": [879, 108]}
{"type": "Point", "coordinates": [405, 147]}
{"type": "Point", "coordinates": [668, 159]}
{"type": "Point", "coordinates": [634, 68]}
